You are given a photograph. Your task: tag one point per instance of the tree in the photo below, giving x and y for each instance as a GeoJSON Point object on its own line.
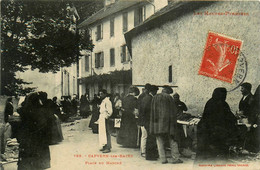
{"type": "Point", "coordinates": [38, 34]}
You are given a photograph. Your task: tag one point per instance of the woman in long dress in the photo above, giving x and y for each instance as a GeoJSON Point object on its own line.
{"type": "Point", "coordinates": [217, 129]}
{"type": "Point", "coordinates": [128, 131]}
{"type": "Point", "coordinates": [33, 136]}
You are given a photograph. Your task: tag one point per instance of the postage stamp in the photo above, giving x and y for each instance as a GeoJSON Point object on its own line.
{"type": "Point", "coordinates": [220, 57]}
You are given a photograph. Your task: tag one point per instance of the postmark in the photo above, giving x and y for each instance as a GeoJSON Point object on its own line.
{"type": "Point", "coordinates": [240, 73]}
{"type": "Point", "coordinates": [220, 57]}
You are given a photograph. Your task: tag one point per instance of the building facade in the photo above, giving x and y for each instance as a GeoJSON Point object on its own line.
{"type": "Point", "coordinates": [109, 66]}
{"type": "Point", "coordinates": [168, 48]}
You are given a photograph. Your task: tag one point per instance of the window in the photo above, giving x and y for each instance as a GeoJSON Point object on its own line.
{"type": "Point", "coordinates": [87, 63]}
{"type": "Point", "coordinates": [112, 57]}
{"type": "Point", "coordinates": [99, 60]}
{"type": "Point", "coordinates": [99, 32]}
{"type": "Point", "coordinates": [170, 74]}
{"type": "Point", "coordinates": [112, 27]}
{"type": "Point", "coordinates": [139, 15]}
{"type": "Point", "coordinates": [124, 54]}
{"type": "Point", "coordinates": [125, 22]}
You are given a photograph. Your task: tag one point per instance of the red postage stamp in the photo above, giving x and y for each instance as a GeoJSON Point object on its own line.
{"type": "Point", "coordinates": [220, 57]}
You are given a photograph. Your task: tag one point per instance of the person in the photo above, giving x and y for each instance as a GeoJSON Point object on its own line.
{"type": "Point", "coordinates": [245, 102]}
{"type": "Point", "coordinates": [95, 114]}
{"type": "Point", "coordinates": [56, 130]}
{"type": "Point", "coordinates": [217, 130]}
{"type": "Point", "coordinates": [117, 105]}
{"type": "Point", "coordinates": [74, 104]}
{"type": "Point", "coordinates": [127, 135]}
{"type": "Point", "coordinates": [84, 106]}
{"type": "Point", "coordinates": [56, 107]}
{"type": "Point", "coordinates": [163, 124]}
{"type": "Point", "coordinates": [181, 106]}
{"type": "Point", "coordinates": [34, 152]}
{"type": "Point", "coordinates": [106, 111]}
{"type": "Point", "coordinates": [141, 118]}
{"type": "Point", "coordinates": [9, 109]}
{"type": "Point", "coordinates": [252, 143]}
{"type": "Point", "coordinates": [151, 152]}
{"type": "Point", "coordinates": [185, 141]}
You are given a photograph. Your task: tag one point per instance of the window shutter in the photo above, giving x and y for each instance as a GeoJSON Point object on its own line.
{"type": "Point", "coordinates": [121, 54]}
{"type": "Point", "coordinates": [144, 13]}
{"type": "Point", "coordinates": [125, 22]}
{"type": "Point", "coordinates": [87, 63]}
{"type": "Point", "coordinates": [112, 27]}
{"type": "Point", "coordinates": [101, 32]}
{"type": "Point", "coordinates": [102, 59]}
{"type": "Point", "coordinates": [112, 57]}
{"type": "Point", "coordinates": [127, 54]}
{"type": "Point", "coordinates": [97, 34]}
{"type": "Point", "coordinates": [136, 19]}
{"type": "Point", "coordinates": [96, 60]}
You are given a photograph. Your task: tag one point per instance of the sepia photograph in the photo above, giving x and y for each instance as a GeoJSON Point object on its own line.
{"type": "Point", "coordinates": [130, 84]}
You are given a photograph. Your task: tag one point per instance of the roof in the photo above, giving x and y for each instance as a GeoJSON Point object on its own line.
{"type": "Point", "coordinates": [110, 10]}
{"type": "Point", "coordinates": [172, 11]}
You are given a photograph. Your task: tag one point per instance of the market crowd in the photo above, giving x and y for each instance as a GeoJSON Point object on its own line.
{"type": "Point", "coordinates": [150, 122]}
{"type": "Point", "coordinates": [147, 120]}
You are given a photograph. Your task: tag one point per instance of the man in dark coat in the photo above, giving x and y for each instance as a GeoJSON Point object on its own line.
{"type": "Point", "coordinates": [151, 152]}
{"type": "Point", "coordinates": [246, 101]}
{"type": "Point", "coordinates": [252, 143]}
{"type": "Point", "coordinates": [141, 118]}
{"type": "Point", "coordinates": [163, 124]}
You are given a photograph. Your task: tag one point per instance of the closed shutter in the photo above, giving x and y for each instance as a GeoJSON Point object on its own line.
{"type": "Point", "coordinates": [96, 60]}
{"type": "Point", "coordinates": [136, 17]}
{"type": "Point", "coordinates": [101, 31]}
{"type": "Point", "coordinates": [87, 63]}
{"type": "Point", "coordinates": [112, 57]}
{"type": "Point", "coordinates": [112, 27]}
{"type": "Point", "coordinates": [125, 21]}
{"type": "Point", "coordinates": [102, 59]}
{"type": "Point", "coordinates": [121, 54]}
{"type": "Point", "coordinates": [127, 54]}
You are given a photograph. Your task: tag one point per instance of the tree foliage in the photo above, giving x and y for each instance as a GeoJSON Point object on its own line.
{"type": "Point", "coordinates": [39, 34]}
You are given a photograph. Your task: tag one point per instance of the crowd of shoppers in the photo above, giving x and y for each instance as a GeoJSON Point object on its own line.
{"type": "Point", "coordinates": [148, 121]}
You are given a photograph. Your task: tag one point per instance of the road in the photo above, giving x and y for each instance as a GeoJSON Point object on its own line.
{"type": "Point", "coordinates": [80, 150]}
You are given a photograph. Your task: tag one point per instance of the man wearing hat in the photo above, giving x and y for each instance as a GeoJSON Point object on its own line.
{"type": "Point", "coordinates": [141, 117]}
{"type": "Point", "coordinates": [163, 124]}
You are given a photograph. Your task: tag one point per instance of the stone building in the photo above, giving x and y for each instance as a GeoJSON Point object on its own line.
{"type": "Point", "coordinates": [169, 46]}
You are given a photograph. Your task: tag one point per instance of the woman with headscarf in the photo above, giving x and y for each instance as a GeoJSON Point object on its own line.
{"type": "Point", "coordinates": [34, 153]}
{"type": "Point", "coordinates": [217, 128]}
{"type": "Point", "coordinates": [127, 135]}
{"type": "Point", "coordinates": [84, 106]}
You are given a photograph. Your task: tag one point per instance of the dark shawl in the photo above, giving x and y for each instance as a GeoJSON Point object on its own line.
{"type": "Point", "coordinates": [217, 126]}
{"type": "Point", "coordinates": [163, 118]}
{"type": "Point", "coordinates": [33, 136]}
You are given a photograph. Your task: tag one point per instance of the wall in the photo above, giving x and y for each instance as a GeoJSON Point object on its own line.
{"type": "Point", "coordinates": [113, 42]}
{"type": "Point", "coordinates": [51, 82]}
{"type": "Point", "coordinates": [181, 43]}
{"type": "Point", "coordinates": [106, 44]}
